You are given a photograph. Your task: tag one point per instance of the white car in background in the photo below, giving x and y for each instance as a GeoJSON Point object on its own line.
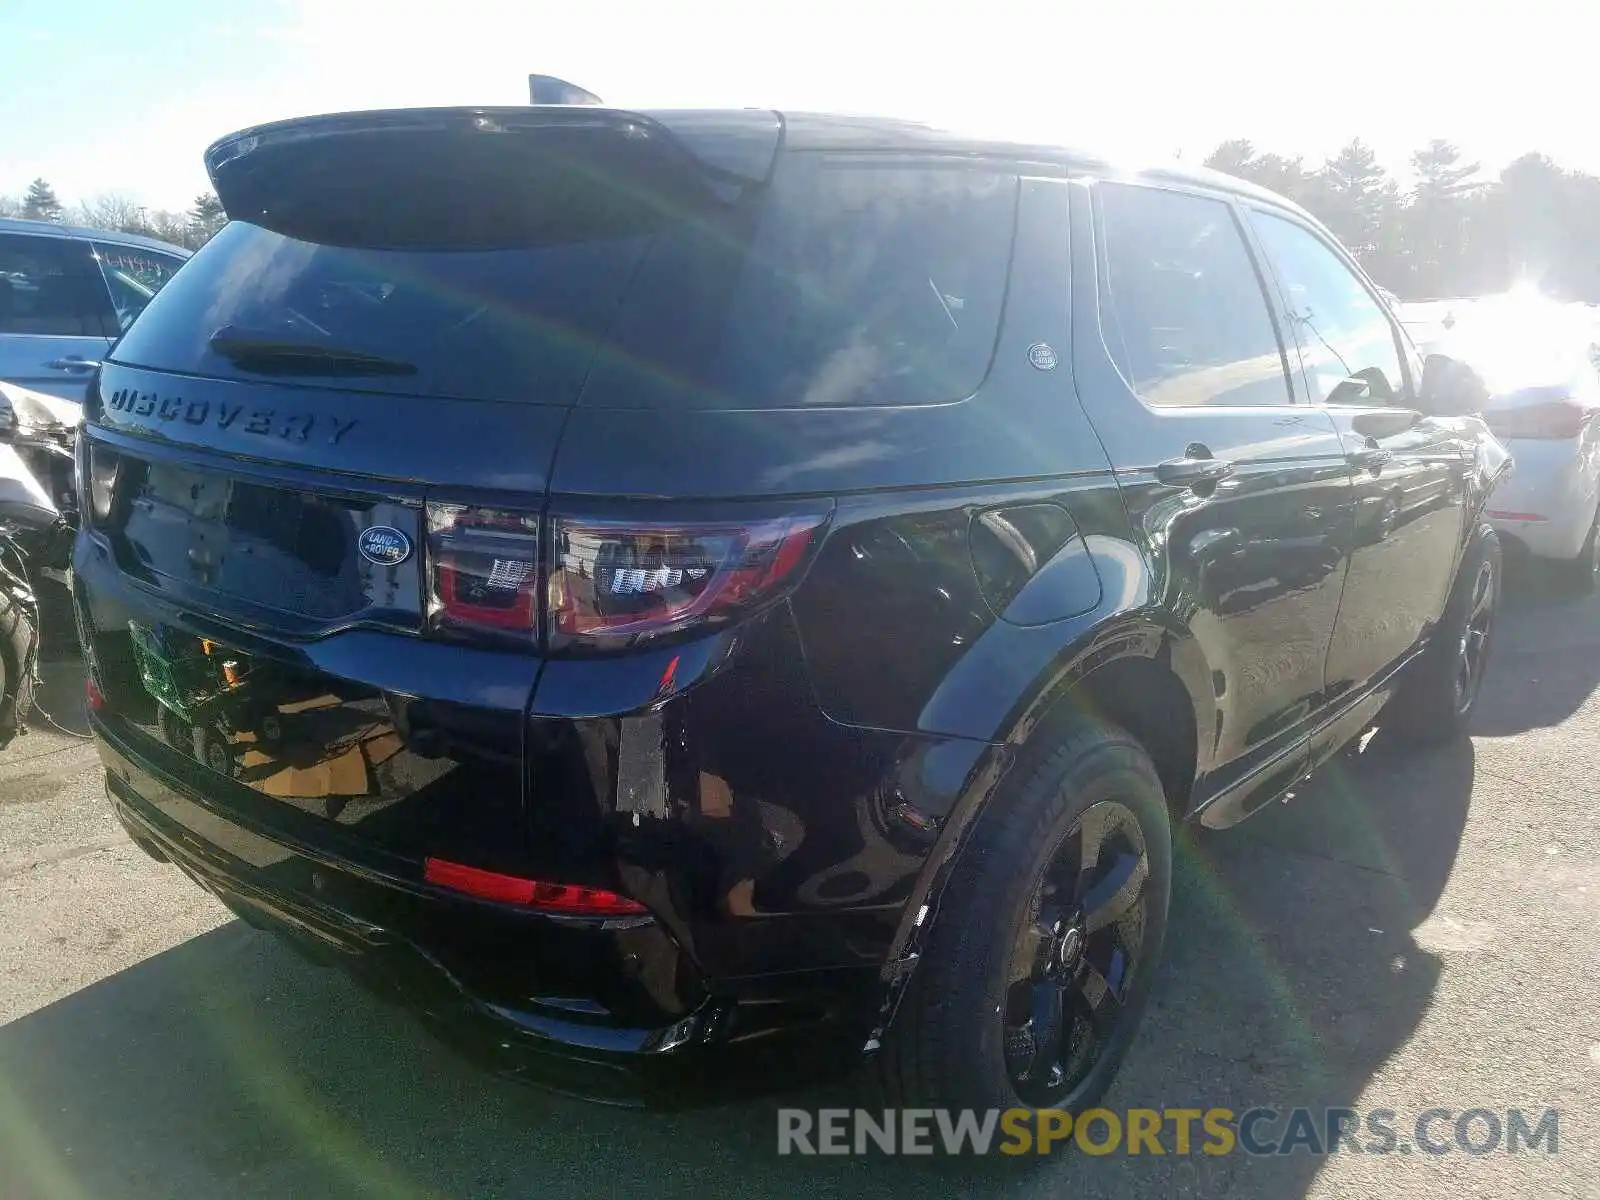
{"type": "Point", "coordinates": [1540, 362]}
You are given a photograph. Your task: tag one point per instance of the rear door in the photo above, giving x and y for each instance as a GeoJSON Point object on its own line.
{"type": "Point", "coordinates": [1242, 493]}
{"type": "Point", "coordinates": [1410, 469]}
{"type": "Point", "coordinates": [56, 318]}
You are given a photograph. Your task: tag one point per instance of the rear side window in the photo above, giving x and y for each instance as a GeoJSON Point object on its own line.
{"type": "Point", "coordinates": [49, 286]}
{"type": "Point", "coordinates": [844, 282]}
{"type": "Point", "coordinates": [1182, 309]}
{"type": "Point", "coordinates": [133, 276]}
{"type": "Point", "coordinates": [864, 283]}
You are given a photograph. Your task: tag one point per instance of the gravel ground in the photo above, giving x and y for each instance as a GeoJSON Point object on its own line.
{"type": "Point", "coordinates": [1410, 932]}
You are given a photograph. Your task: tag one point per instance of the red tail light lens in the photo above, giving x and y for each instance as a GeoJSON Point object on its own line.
{"type": "Point", "coordinates": [1558, 419]}
{"type": "Point", "coordinates": [624, 580]}
{"type": "Point", "coordinates": [569, 898]}
{"type": "Point", "coordinates": [484, 568]}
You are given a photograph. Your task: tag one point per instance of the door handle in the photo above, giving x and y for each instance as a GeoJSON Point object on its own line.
{"type": "Point", "coordinates": [1196, 469]}
{"type": "Point", "coordinates": [1370, 458]}
{"type": "Point", "coordinates": [72, 362]}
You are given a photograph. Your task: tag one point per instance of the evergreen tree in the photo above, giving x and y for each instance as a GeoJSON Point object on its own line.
{"type": "Point", "coordinates": [40, 203]}
{"type": "Point", "coordinates": [1435, 225]}
{"type": "Point", "coordinates": [205, 218]}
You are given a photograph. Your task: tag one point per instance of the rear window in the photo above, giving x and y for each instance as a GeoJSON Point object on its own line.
{"type": "Point", "coordinates": [845, 282]}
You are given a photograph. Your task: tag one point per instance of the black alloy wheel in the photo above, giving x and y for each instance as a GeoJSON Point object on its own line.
{"type": "Point", "coordinates": [1473, 651]}
{"type": "Point", "coordinates": [1041, 954]}
{"type": "Point", "coordinates": [1076, 955]}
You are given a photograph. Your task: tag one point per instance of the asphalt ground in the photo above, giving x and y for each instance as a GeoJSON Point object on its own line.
{"type": "Point", "coordinates": [1411, 932]}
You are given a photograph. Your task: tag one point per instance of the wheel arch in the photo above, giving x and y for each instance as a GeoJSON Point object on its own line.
{"type": "Point", "coordinates": [1134, 671]}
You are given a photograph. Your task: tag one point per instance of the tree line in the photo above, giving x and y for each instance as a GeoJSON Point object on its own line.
{"type": "Point", "coordinates": [117, 211]}
{"type": "Point", "coordinates": [1454, 232]}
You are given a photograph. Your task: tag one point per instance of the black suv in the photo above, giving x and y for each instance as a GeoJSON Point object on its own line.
{"type": "Point", "coordinates": [646, 587]}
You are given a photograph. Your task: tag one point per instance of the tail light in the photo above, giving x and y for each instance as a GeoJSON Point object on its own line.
{"type": "Point", "coordinates": [1555, 420]}
{"type": "Point", "coordinates": [568, 898]}
{"type": "Point", "coordinates": [624, 581]}
{"type": "Point", "coordinates": [484, 568]}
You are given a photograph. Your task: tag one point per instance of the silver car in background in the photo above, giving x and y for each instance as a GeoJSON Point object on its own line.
{"type": "Point", "coordinates": [1540, 362]}
{"type": "Point", "coordinates": [67, 293]}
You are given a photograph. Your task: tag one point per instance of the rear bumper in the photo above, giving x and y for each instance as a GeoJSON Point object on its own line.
{"type": "Point", "coordinates": [406, 946]}
{"type": "Point", "coordinates": [775, 849]}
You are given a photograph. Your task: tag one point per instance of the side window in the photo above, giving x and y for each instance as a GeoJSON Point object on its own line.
{"type": "Point", "coordinates": [1181, 304]}
{"type": "Point", "coordinates": [48, 286]}
{"type": "Point", "coordinates": [133, 275]}
{"type": "Point", "coordinates": [1343, 331]}
{"type": "Point", "coordinates": [865, 283]}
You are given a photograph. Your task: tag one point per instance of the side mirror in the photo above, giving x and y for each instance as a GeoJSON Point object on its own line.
{"type": "Point", "coordinates": [1351, 390]}
{"type": "Point", "coordinates": [1450, 388]}
{"type": "Point", "coordinates": [1384, 422]}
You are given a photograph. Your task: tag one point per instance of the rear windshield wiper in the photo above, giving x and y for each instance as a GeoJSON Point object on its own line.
{"type": "Point", "coordinates": [267, 355]}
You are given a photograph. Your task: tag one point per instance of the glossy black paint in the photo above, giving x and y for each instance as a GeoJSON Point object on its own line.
{"type": "Point", "coordinates": [362, 436]}
{"type": "Point", "coordinates": [786, 795]}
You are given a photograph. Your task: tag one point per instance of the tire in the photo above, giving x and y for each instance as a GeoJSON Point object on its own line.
{"type": "Point", "coordinates": [1435, 703]}
{"type": "Point", "coordinates": [1581, 574]}
{"type": "Point", "coordinates": [177, 732]}
{"type": "Point", "coordinates": [967, 1026]}
{"type": "Point", "coordinates": [215, 750]}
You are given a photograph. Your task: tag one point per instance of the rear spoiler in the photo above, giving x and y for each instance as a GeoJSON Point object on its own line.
{"type": "Point", "coordinates": [739, 147]}
{"type": "Point", "coordinates": [547, 89]}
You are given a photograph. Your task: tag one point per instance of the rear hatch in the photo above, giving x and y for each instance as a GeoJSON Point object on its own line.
{"type": "Point", "coordinates": [403, 308]}
{"type": "Point", "coordinates": [319, 458]}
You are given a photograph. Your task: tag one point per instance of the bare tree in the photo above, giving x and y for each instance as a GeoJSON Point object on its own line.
{"type": "Point", "coordinates": [167, 226]}
{"type": "Point", "coordinates": [111, 210]}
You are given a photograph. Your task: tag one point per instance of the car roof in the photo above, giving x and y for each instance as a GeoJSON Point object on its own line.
{"type": "Point", "coordinates": [116, 237]}
{"type": "Point", "coordinates": [809, 131]}
{"type": "Point", "coordinates": [834, 131]}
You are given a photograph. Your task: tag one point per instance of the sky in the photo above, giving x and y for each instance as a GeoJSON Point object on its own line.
{"type": "Point", "coordinates": [124, 95]}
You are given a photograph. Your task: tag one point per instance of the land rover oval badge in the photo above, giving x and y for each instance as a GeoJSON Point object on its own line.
{"type": "Point", "coordinates": [384, 545]}
{"type": "Point", "coordinates": [1043, 356]}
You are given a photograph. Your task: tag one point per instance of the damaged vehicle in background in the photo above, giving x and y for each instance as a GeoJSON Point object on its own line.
{"type": "Point", "coordinates": [38, 517]}
{"type": "Point", "coordinates": [755, 582]}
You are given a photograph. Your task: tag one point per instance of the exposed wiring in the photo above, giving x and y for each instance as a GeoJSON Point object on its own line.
{"type": "Point", "coordinates": [58, 727]}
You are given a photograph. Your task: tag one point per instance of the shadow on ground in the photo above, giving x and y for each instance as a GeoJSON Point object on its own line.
{"type": "Point", "coordinates": [228, 1065]}
{"type": "Point", "coordinates": [1543, 667]}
